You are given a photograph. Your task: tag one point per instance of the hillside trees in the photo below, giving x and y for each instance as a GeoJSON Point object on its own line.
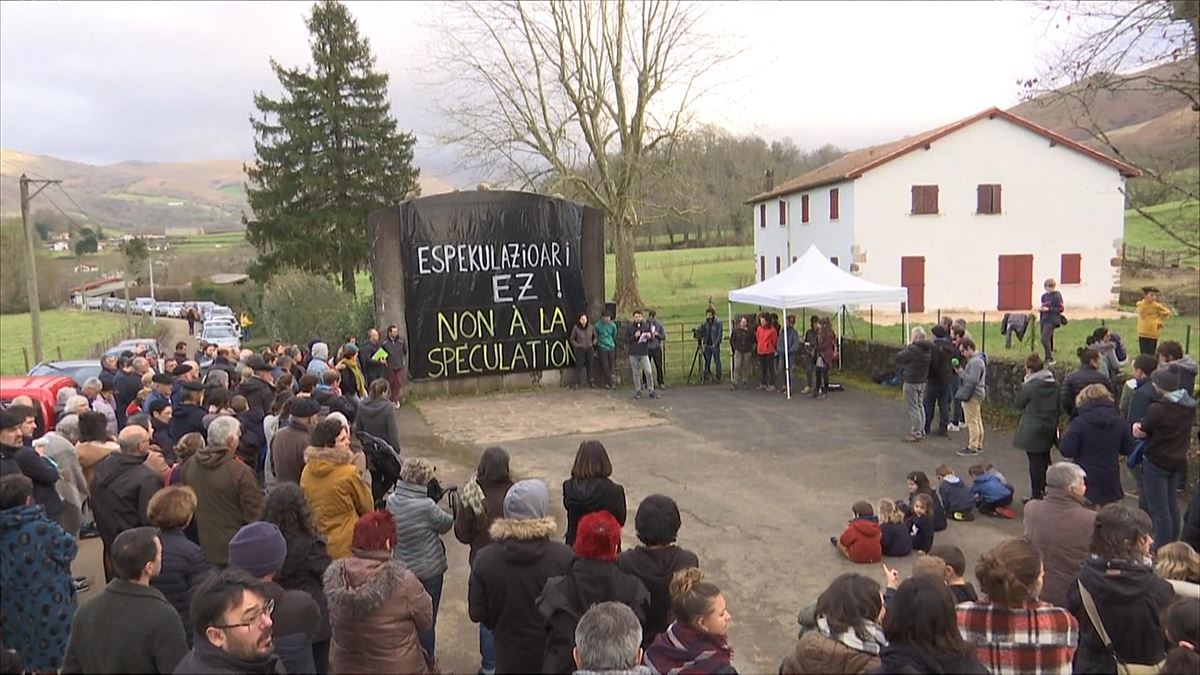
{"type": "Point", "coordinates": [327, 153]}
{"type": "Point", "coordinates": [587, 94]}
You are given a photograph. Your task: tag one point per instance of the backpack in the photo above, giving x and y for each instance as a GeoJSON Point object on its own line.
{"type": "Point", "coordinates": [940, 368]}
{"type": "Point", "coordinates": [382, 461]}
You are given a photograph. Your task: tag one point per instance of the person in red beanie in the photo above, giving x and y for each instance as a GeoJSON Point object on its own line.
{"type": "Point", "coordinates": [593, 577]}
{"type": "Point", "coordinates": [862, 540]}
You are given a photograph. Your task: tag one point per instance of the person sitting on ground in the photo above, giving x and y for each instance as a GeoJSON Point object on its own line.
{"type": "Point", "coordinates": [232, 617]}
{"type": "Point", "coordinates": [183, 563]}
{"type": "Point", "coordinates": [608, 641]}
{"type": "Point", "coordinates": [130, 627]}
{"type": "Point", "coordinates": [918, 483]}
{"type": "Point", "coordinates": [992, 495]}
{"type": "Point", "coordinates": [1013, 629]}
{"type": "Point", "coordinates": [590, 488]}
{"type": "Point", "coordinates": [920, 523]}
{"type": "Point", "coordinates": [1095, 440]}
{"type": "Point", "coordinates": [657, 559]}
{"type": "Point", "coordinates": [861, 541]}
{"type": "Point", "coordinates": [377, 606]}
{"type": "Point", "coordinates": [954, 569]}
{"type": "Point", "coordinates": [39, 598]}
{"type": "Point", "coordinates": [697, 640]}
{"type": "Point", "coordinates": [1182, 621]}
{"type": "Point", "coordinates": [955, 495]}
{"type": "Point", "coordinates": [922, 632]}
{"type": "Point", "coordinates": [260, 549]}
{"type": "Point", "coordinates": [1179, 564]}
{"type": "Point", "coordinates": [508, 575]}
{"type": "Point", "coordinates": [848, 638]}
{"type": "Point", "coordinates": [894, 537]}
{"type": "Point", "coordinates": [1103, 596]}
{"type": "Point", "coordinates": [592, 577]}
{"type": "Point", "coordinates": [1060, 526]}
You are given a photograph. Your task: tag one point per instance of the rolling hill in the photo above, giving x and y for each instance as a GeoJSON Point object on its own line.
{"type": "Point", "coordinates": [144, 197]}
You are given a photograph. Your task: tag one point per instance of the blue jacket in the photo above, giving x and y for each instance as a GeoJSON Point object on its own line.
{"type": "Point", "coordinates": [988, 488]}
{"type": "Point", "coordinates": [420, 524]}
{"type": "Point", "coordinates": [1094, 440]}
{"type": "Point", "coordinates": [38, 602]}
{"type": "Point", "coordinates": [955, 494]}
{"type": "Point", "coordinates": [897, 541]}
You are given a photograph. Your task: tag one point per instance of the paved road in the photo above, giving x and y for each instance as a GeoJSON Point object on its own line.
{"type": "Point", "coordinates": [762, 483]}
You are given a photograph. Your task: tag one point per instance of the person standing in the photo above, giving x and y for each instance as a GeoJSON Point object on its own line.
{"type": "Point", "coordinates": [711, 332]}
{"type": "Point", "coordinates": [789, 342]}
{"type": "Point", "coordinates": [397, 362]}
{"type": "Point", "coordinates": [1152, 318]}
{"type": "Point", "coordinates": [914, 361]}
{"type": "Point", "coordinates": [376, 415]}
{"type": "Point", "coordinates": [190, 315]}
{"type": "Point", "coordinates": [1060, 526]}
{"type": "Point", "coordinates": [658, 335]}
{"type": "Point", "coordinates": [937, 384]}
{"type": "Point", "coordinates": [39, 597]}
{"type": "Point", "coordinates": [606, 346]}
{"type": "Point", "coordinates": [332, 485]}
{"type": "Point", "coordinates": [765, 338]}
{"type": "Point", "coordinates": [826, 354]}
{"type": "Point", "coordinates": [1095, 440]}
{"type": "Point", "coordinates": [184, 566]}
{"type": "Point", "coordinates": [130, 627]}
{"type": "Point", "coordinates": [657, 559]}
{"type": "Point", "coordinates": [742, 341]}
{"type": "Point", "coordinates": [697, 640]}
{"type": "Point", "coordinates": [1037, 430]}
{"type": "Point", "coordinates": [1170, 355]}
{"type": "Point", "coordinates": [122, 486]}
{"type": "Point", "coordinates": [232, 617]}
{"type": "Point", "coordinates": [1166, 429]}
{"type": "Point", "coordinates": [591, 488]}
{"type": "Point", "coordinates": [972, 390]}
{"type": "Point", "coordinates": [1050, 317]}
{"type": "Point", "coordinates": [15, 458]}
{"type": "Point", "coordinates": [639, 355]}
{"type": "Point", "coordinates": [583, 341]}
{"type": "Point", "coordinates": [126, 385]}
{"type": "Point", "coordinates": [287, 445]}
{"type": "Point", "coordinates": [226, 489]}
{"type": "Point", "coordinates": [922, 632]}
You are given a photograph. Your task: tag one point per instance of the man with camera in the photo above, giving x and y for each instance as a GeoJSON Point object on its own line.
{"type": "Point", "coordinates": [709, 335]}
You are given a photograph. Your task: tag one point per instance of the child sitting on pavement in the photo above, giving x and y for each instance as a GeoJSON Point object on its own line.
{"type": "Point", "coordinates": [956, 567]}
{"type": "Point", "coordinates": [956, 496]}
{"type": "Point", "coordinates": [896, 540]}
{"type": "Point", "coordinates": [992, 496]}
{"type": "Point", "coordinates": [918, 483]}
{"type": "Point", "coordinates": [920, 523]}
{"type": "Point", "coordinates": [861, 540]}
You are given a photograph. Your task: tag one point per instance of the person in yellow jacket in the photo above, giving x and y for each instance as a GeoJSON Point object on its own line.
{"type": "Point", "coordinates": [246, 321]}
{"type": "Point", "coordinates": [1152, 316]}
{"type": "Point", "coordinates": [331, 483]}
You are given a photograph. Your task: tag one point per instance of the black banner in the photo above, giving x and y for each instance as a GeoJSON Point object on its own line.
{"type": "Point", "coordinates": [492, 282]}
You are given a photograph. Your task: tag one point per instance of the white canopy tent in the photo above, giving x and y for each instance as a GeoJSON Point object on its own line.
{"type": "Point", "coordinates": [814, 281]}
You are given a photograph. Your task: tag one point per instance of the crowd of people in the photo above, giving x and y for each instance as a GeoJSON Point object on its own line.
{"type": "Point", "coordinates": [256, 516]}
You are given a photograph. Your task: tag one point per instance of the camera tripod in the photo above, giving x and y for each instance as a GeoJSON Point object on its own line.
{"type": "Point", "coordinates": [696, 360]}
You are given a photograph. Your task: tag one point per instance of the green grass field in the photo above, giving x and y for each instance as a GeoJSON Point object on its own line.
{"type": "Point", "coordinates": [1140, 232]}
{"type": "Point", "coordinates": [73, 332]}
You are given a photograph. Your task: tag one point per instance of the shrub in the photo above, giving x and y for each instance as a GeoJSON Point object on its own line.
{"type": "Point", "coordinates": [299, 306]}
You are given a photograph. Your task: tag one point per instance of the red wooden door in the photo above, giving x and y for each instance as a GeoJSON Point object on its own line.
{"type": "Point", "coordinates": [1015, 281]}
{"type": "Point", "coordinates": [912, 277]}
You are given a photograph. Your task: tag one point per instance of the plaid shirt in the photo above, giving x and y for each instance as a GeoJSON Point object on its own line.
{"type": "Point", "coordinates": [1037, 638]}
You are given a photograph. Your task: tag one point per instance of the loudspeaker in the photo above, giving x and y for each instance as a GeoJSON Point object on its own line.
{"type": "Point", "coordinates": [611, 308]}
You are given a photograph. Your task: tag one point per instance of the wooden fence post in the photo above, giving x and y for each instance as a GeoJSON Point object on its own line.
{"type": "Point", "coordinates": [25, 357]}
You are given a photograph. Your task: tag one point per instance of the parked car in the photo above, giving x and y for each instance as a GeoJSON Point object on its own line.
{"type": "Point", "coordinates": [109, 304]}
{"type": "Point", "coordinates": [221, 335]}
{"type": "Point", "coordinates": [95, 303]}
{"type": "Point", "coordinates": [223, 321]}
{"type": "Point", "coordinates": [42, 389]}
{"type": "Point", "coordinates": [143, 305]}
{"type": "Point", "coordinates": [219, 311]}
{"type": "Point", "coordinates": [78, 370]}
{"type": "Point", "coordinates": [150, 345]}
{"type": "Point", "coordinates": [162, 308]}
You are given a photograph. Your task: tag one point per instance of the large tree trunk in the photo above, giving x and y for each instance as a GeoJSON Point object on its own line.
{"type": "Point", "coordinates": [627, 297]}
{"type": "Point", "coordinates": [347, 275]}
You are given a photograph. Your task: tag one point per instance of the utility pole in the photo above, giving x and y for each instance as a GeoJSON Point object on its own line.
{"type": "Point", "coordinates": [31, 287]}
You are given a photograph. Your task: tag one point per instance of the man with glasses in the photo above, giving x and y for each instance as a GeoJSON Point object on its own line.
{"type": "Point", "coordinates": [130, 627]}
{"type": "Point", "coordinates": [231, 614]}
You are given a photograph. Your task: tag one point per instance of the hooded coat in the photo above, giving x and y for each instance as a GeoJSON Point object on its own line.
{"type": "Point", "coordinates": [35, 572]}
{"type": "Point", "coordinates": [902, 657]}
{"type": "Point", "coordinates": [1168, 426]}
{"type": "Point", "coordinates": [1037, 400]}
{"type": "Point", "coordinates": [304, 570]}
{"type": "Point", "coordinates": [377, 416]}
{"type": "Point", "coordinates": [1075, 382]}
{"type": "Point", "coordinates": [337, 494]}
{"type": "Point", "coordinates": [1095, 439]}
{"type": "Point", "coordinates": [420, 524]}
{"type": "Point", "coordinates": [121, 489]}
{"type": "Point", "coordinates": [863, 540]}
{"type": "Point", "coordinates": [186, 418]}
{"type": "Point", "coordinates": [183, 568]}
{"type": "Point", "coordinates": [90, 454]}
{"type": "Point", "coordinates": [819, 655]}
{"type": "Point", "coordinates": [228, 494]}
{"type": "Point", "coordinates": [565, 599]}
{"type": "Point", "coordinates": [377, 608]}
{"type": "Point", "coordinates": [1186, 369]}
{"type": "Point", "coordinates": [655, 567]}
{"type": "Point", "coordinates": [1130, 600]}
{"type": "Point", "coordinates": [506, 580]}
{"type": "Point", "coordinates": [582, 496]}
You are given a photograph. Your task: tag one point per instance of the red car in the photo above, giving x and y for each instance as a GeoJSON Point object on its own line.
{"type": "Point", "coordinates": [42, 389]}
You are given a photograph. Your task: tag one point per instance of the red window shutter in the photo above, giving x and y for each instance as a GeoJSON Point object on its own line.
{"type": "Point", "coordinates": [1070, 273]}
{"type": "Point", "coordinates": [924, 199]}
{"type": "Point", "coordinates": [917, 196]}
{"type": "Point", "coordinates": [778, 264]}
{"type": "Point", "coordinates": [996, 199]}
{"type": "Point", "coordinates": [804, 208]}
{"type": "Point", "coordinates": [833, 204]}
{"type": "Point", "coordinates": [762, 214]}
{"type": "Point", "coordinates": [933, 199]}
{"type": "Point", "coordinates": [983, 199]}
{"type": "Point", "coordinates": [782, 212]}
{"type": "Point", "coordinates": [762, 268]}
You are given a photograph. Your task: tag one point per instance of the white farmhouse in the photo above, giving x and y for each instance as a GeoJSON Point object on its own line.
{"type": "Point", "coordinates": [974, 215]}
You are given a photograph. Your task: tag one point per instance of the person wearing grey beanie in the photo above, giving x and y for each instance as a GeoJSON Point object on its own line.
{"type": "Point", "coordinates": [259, 548]}
{"type": "Point", "coordinates": [509, 575]}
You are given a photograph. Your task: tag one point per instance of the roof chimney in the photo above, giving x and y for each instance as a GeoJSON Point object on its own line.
{"type": "Point", "coordinates": [768, 180]}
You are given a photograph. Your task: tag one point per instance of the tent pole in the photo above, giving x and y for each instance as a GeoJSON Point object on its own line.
{"type": "Point", "coordinates": [732, 358]}
{"type": "Point", "coordinates": [841, 334]}
{"type": "Point", "coordinates": [787, 366]}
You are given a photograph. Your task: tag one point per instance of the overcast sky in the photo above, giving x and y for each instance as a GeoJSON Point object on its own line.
{"type": "Point", "coordinates": [102, 82]}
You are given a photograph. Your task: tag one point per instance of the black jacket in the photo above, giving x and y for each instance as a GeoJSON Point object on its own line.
{"type": "Point", "coordinates": [161, 437]}
{"type": "Point", "coordinates": [655, 567]}
{"type": "Point", "coordinates": [294, 625]}
{"type": "Point", "coordinates": [1095, 439]}
{"type": "Point", "coordinates": [121, 488]}
{"type": "Point", "coordinates": [304, 570]}
{"type": "Point", "coordinates": [565, 599]}
{"type": "Point", "coordinates": [127, 628]}
{"type": "Point", "coordinates": [397, 351]}
{"type": "Point", "coordinates": [260, 396]}
{"type": "Point", "coordinates": [183, 568]}
{"type": "Point", "coordinates": [1191, 521]}
{"type": "Point", "coordinates": [14, 460]}
{"type": "Point", "coordinates": [372, 369]}
{"type": "Point", "coordinates": [637, 346]}
{"type": "Point", "coordinates": [588, 495]}
{"type": "Point", "coordinates": [126, 386]}
{"type": "Point", "coordinates": [914, 362]}
{"type": "Point", "coordinates": [337, 403]}
{"type": "Point", "coordinates": [1130, 600]}
{"type": "Point", "coordinates": [1075, 382]}
{"type": "Point", "coordinates": [1168, 427]}
{"type": "Point", "coordinates": [902, 657]}
{"type": "Point", "coordinates": [506, 580]}
{"type": "Point", "coordinates": [186, 418]}
{"type": "Point", "coordinates": [941, 370]}
{"type": "Point", "coordinates": [205, 659]}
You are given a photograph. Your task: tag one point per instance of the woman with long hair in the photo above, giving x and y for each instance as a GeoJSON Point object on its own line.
{"type": "Point", "coordinates": [922, 632]}
{"type": "Point", "coordinates": [590, 488]}
{"type": "Point", "coordinates": [918, 484]}
{"type": "Point", "coordinates": [848, 637]}
{"type": "Point", "coordinates": [306, 560]}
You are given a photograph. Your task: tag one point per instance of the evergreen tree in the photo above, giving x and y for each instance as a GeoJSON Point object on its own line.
{"type": "Point", "coordinates": [328, 152]}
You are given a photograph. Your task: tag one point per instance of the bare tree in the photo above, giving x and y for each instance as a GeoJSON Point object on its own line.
{"type": "Point", "coordinates": [580, 94]}
{"type": "Point", "coordinates": [1115, 47]}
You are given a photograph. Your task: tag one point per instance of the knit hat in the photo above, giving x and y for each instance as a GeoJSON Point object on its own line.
{"type": "Point", "coordinates": [259, 548]}
{"type": "Point", "coordinates": [10, 420]}
{"type": "Point", "coordinates": [1166, 379]}
{"type": "Point", "coordinates": [527, 500]}
{"type": "Point", "coordinates": [597, 536]}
